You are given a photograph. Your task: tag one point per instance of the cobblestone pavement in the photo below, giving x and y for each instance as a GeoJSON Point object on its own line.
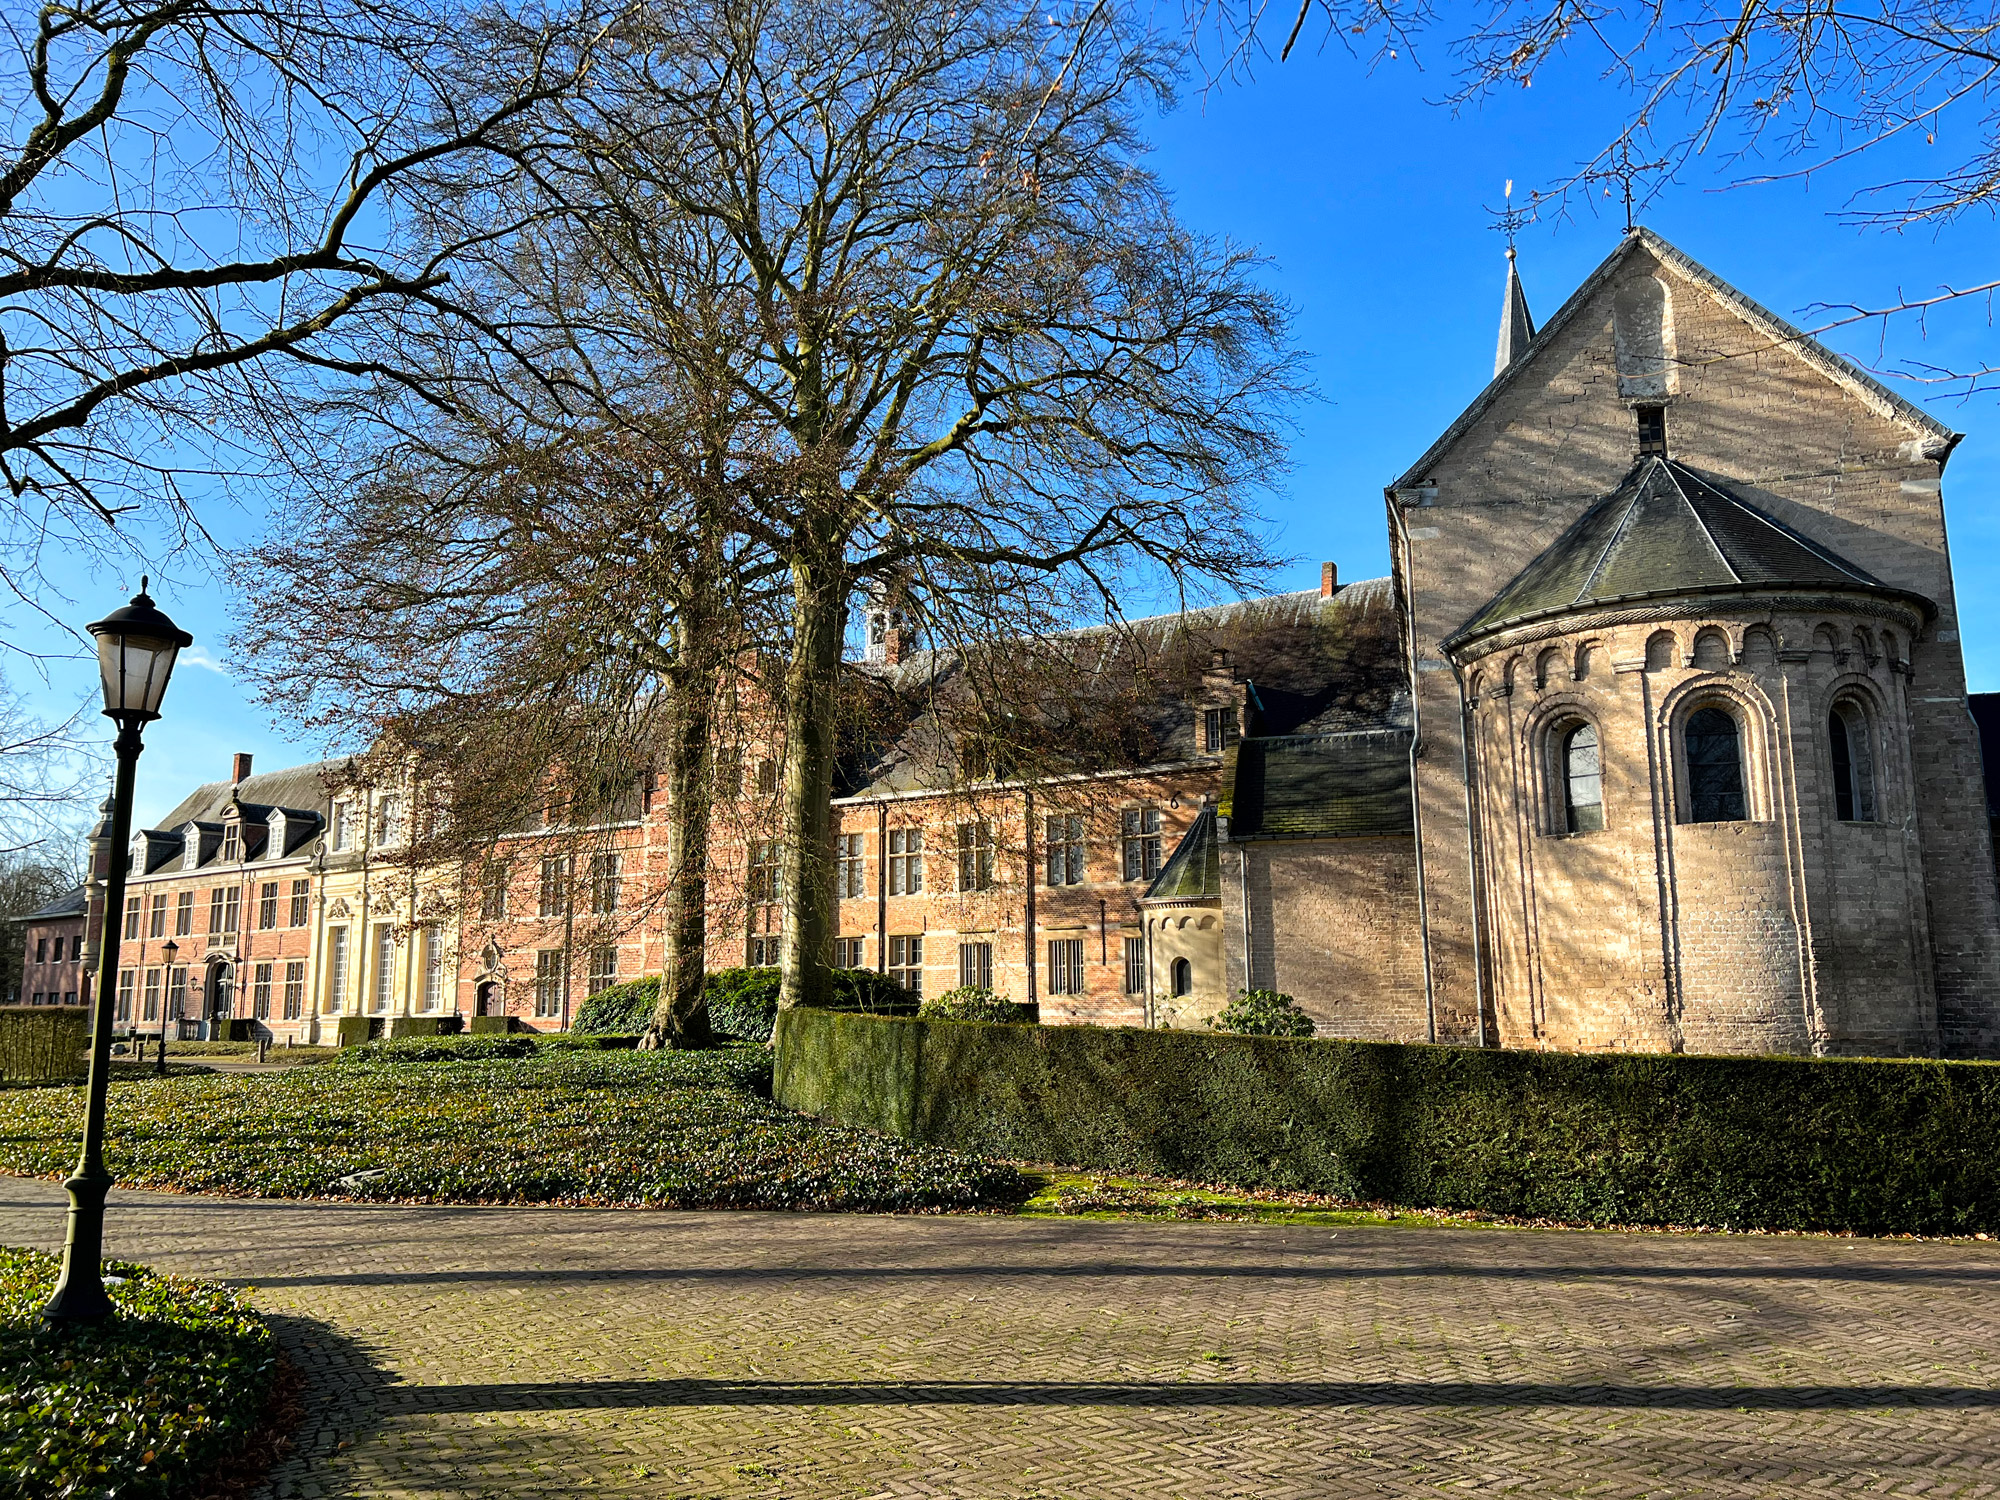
{"type": "Point", "coordinates": [517, 1352]}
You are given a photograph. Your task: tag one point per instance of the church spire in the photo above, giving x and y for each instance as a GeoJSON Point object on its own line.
{"type": "Point", "coordinates": [1517, 325]}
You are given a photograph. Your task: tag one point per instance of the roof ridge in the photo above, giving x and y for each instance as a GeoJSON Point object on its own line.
{"type": "Point", "coordinates": [1617, 535]}
{"type": "Point", "coordinates": [1674, 472]}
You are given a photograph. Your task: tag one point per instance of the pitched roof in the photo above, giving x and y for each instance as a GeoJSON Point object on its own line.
{"type": "Point", "coordinates": [1320, 786]}
{"type": "Point", "coordinates": [1937, 438]}
{"type": "Point", "coordinates": [1667, 532]}
{"type": "Point", "coordinates": [1193, 872]}
{"type": "Point", "coordinates": [296, 787]}
{"type": "Point", "coordinates": [1123, 700]}
{"type": "Point", "coordinates": [70, 904]}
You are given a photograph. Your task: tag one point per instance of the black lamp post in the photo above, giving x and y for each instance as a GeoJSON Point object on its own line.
{"type": "Point", "coordinates": [170, 951]}
{"type": "Point", "coordinates": [136, 647]}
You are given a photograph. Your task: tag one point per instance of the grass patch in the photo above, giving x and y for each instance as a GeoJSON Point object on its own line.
{"type": "Point", "coordinates": [659, 1129]}
{"type": "Point", "coordinates": [144, 1405]}
{"type": "Point", "coordinates": [1058, 1194]}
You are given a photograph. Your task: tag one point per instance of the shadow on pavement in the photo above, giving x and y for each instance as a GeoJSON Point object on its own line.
{"type": "Point", "coordinates": [559, 1395]}
{"type": "Point", "coordinates": [345, 1389]}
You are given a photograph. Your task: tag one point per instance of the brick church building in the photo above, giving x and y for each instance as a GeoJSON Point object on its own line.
{"type": "Point", "coordinates": [1656, 739]}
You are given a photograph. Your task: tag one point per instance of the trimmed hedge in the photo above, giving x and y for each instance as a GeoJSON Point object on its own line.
{"type": "Point", "coordinates": [44, 1041]}
{"type": "Point", "coordinates": [1769, 1143]}
{"type": "Point", "coordinates": [742, 1002]}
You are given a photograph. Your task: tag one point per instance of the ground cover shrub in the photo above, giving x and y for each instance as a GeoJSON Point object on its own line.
{"type": "Point", "coordinates": [971, 1003]}
{"type": "Point", "coordinates": [665, 1129]}
{"type": "Point", "coordinates": [481, 1047]}
{"type": "Point", "coordinates": [1769, 1143]}
{"type": "Point", "coordinates": [743, 1002]}
{"type": "Point", "coordinates": [1263, 1013]}
{"type": "Point", "coordinates": [142, 1406]}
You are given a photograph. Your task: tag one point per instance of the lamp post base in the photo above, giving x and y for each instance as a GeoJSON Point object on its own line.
{"type": "Point", "coordinates": [80, 1296]}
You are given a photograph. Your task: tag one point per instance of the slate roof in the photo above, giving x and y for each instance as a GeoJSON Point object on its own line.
{"type": "Point", "coordinates": [1311, 664]}
{"type": "Point", "coordinates": [70, 904]}
{"type": "Point", "coordinates": [1319, 786]}
{"type": "Point", "coordinates": [296, 788]}
{"type": "Point", "coordinates": [1193, 872]}
{"type": "Point", "coordinates": [1667, 532]}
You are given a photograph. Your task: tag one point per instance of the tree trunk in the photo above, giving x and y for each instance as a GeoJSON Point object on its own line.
{"type": "Point", "coordinates": [812, 712]}
{"type": "Point", "coordinates": [680, 1018]}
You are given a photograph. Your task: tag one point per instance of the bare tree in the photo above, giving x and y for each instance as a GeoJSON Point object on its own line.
{"type": "Point", "coordinates": [200, 197]}
{"type": "Point", "coordinates": [967, 347]}
{"type": "Point", "coordinates": [1768, 90]}
{"type": "Point", "coordinates": [541, 630]}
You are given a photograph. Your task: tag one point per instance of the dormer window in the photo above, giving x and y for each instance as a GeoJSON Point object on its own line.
{"type": "Point", "coordinates": [1218, 730]}
{"type": "Point", "coordinates": [343, 829]}
{"type": "Point", "coordinates": [232, 843]}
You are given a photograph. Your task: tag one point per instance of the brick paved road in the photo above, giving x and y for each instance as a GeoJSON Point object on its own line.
{"type": "Point", "coordinates": [502, 1352]}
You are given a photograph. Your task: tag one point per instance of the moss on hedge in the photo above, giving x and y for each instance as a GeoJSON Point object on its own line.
{"type": "Point", "coordinates": [143, 1405]}
{"type": "Point", "coordinates": [1775, 1143]}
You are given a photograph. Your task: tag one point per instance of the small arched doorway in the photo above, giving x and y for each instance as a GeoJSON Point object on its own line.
{"type": "Point", "coordinates": [486, 998]}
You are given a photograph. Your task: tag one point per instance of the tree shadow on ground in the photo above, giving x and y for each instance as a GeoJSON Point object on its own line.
{"type": "Point", "coordinates": [344, 1398]}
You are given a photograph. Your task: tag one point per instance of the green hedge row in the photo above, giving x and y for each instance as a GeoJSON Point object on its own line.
{"type": "Point", "coordinates": [1771, 1143]}
{"type": "Point", "coordinates": [43, 1042]}
{"type": "Point", "coordinates": [742, 1002]}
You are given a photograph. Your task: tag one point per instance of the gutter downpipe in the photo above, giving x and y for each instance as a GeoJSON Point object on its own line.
{"type": "Point", "coordinates": [1416, 745]}
{"type": "Point", "coordinates": [1472, 852]}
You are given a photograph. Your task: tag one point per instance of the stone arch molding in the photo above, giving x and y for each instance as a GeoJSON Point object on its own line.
{"type": "Point", "coordinates": [1757, 720]}
{"type": "Point", "coordinates": [1540, 731]}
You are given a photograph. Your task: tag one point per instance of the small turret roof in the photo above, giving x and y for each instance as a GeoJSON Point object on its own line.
{"type": "Point", "coordinates": [1666, 531]}
{"type": "Point", "coordinates": [1194, 871]}
{"type": "Point", "coordinates": [1517, 325]}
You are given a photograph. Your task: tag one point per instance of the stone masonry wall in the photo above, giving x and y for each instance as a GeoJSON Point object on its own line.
{"type": "Point", "coordinates": [1792, 440]}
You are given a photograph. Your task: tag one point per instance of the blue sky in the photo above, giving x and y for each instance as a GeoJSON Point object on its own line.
{"type": "Point", "coordinates": [1372, 206]}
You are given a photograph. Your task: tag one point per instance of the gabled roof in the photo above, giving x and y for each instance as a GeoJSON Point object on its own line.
{"type": "Point", "coordinates": [70, 904]}
{"type": "Point", "coordinates": [301, 788]}
{"type": "Point", "coordinates": [1668, 532]}
{"type": "Point", "coordinates": [1937, 438]}
{"type": "Point", "coordinates": [1194, 871]}
{"type": "Point", "coordinates": [1319, 786]}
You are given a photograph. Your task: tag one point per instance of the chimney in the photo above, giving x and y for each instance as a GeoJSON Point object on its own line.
{"type": "Point", "coordinates": [1329, 579]}
{"type": "Point", "coordinates": [239, 768]}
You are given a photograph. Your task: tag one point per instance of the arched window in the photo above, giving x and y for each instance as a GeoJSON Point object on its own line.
{"type": "Point", "coordinates": [1583, 780]}
{"type": "Point", "coordinates": [1715, 768]}
{"type": "Point", "coordinates": [1853, 764]}
{"type": "Point", "coordinates": [1183, 976]}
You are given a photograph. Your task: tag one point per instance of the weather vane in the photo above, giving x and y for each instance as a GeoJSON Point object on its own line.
{"type": "Point", "coordinates": [1625, 173]}
{"type": "Point", "coordinates": [1508, 219]}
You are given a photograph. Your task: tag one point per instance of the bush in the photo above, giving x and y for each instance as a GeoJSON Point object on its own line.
{"type": "Point", "coordinates": [743, 1002]}
{"type": "Point", "coordinates": [660, 1129]}
{"type": "Point", "coordinates": [1769, 1143]}
{"type": "Point", "coordinates": [479, 1047]}
{"type": "Point", "coordinates": [619, 1010]}
{"type": "Point", "coordinates": [147, 1404]}
{"type": "Point", "coordinates": [971, 1003]}
{"type": "Point", "coordinates": [1263, 1013]}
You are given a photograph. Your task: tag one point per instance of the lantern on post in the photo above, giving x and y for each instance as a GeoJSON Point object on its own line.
{"type": "Point", "coordinates": [136, 648]}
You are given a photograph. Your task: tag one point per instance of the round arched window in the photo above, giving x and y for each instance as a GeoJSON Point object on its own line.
{"type": "Point", "coordinates": [1853, 763]}
{"type": "Point", "coordinates": [1183, 976]}
{"type": "Point", "coordinates": [1583, 780]}
{"type": "Point", "coordinates": [1714, 767]}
